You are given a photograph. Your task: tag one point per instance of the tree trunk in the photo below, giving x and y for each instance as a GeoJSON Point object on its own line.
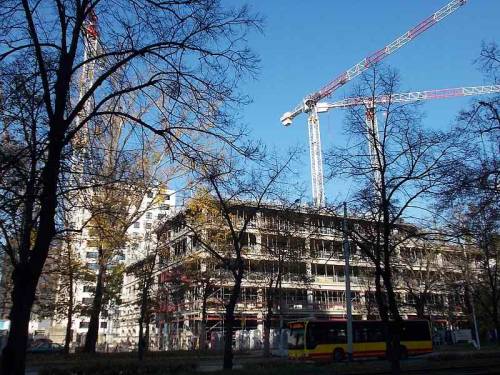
{"type": "Point", "coordinates": [497, 332]}
{"type": "Point", "coordinates": [228, 338]}
{"type": "Point", "coordinates": [203, 324]}
{"type": "Point", "coordinates": [420, 308]}
{"type": "Point", "coordinates": [93, 331]}
{"type": "Point", "coordinates": [140, 347]}
{"type": "Point", "coordinates": [267, 328]}
{"type": "Point", "coordinates": [69, 322]}
{"type": "Point", "coordinates": [146, 337]}
{"type": "Point", "coordinates": [25, 276]}
{"type": "Point", "coordinates": [69, 317]}
{"type": "Point", "coordinates": [379, 297]}
{"type": "Point", "coordinates": [229, 324]}
{"type": "Point", "coordinates": [23, 295]}
{"type": "Point", "coordinates": [468, 305]}
{"type": "Point", "coordinates": [142, 318]}
{"type": "Point", "coordinates": [267, 336]}
{"type": "Point", "coordinates": [203, 335]}
{"type": "Point", "coordinates": [393, 346]}
{"type": "Point", "coordinates": [394, 336]}
{"type": "Point", "coordinates": [496, 320]}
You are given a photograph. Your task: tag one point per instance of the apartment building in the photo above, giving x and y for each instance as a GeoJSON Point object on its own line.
{"type": "Point", "coordinates": [156, 205]}
{"type": "Point", "coordinates": [312, 284]}
{"type": "Point", "coordinates": [142, 248]}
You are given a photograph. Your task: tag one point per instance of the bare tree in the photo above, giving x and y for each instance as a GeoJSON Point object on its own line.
{"type": "Point", "coordinates": [394, 164]}
{"type": "Point", "coordinates": [144, 272]}
{"type": "Point", "coordinates": [116, 198]}
{"type": "Point", "coordinates": [283, 246]}
{"type": "Point", "coordinates": [470, 196]}
{"type": "Point", "coordinates": [181, 60]}
{"type": "Point", "coordinates": [220, 214]}
{"type": "Point", "coordinates": [66, 268]}
{"type": "Point", "coordinates": [420, 275]}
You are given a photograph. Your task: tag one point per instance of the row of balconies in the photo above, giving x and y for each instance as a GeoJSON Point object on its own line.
{"type": "Point", "coordinates": [287, 306]}
{"type": "Point", "coordinates": [300, 306]}
{"type": "Point", "coordinates": [337, 257]}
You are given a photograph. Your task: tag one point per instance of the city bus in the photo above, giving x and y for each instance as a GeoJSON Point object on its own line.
{"type": "Point", "coordinates": [327, 340]}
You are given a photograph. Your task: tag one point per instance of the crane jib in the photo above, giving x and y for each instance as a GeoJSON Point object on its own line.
{"type": "Point", "coordinates": [310, 103]}
{"type": "Point", "coordinates": [380, 54]}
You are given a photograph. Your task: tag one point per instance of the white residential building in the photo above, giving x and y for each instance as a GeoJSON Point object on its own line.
{"type": "Point", "coordinates": [157, 205]}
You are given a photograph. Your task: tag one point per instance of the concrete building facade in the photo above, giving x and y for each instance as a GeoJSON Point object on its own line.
{"type": "Point", "coordinates": [312, 285]}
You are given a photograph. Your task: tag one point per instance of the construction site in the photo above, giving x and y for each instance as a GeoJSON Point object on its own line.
{"type": "Point", "coordinates": [356, 234]}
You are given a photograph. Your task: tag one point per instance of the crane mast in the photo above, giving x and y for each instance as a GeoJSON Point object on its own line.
{"type": "Point", "coordinates": [318, 192]}
{"type": "Point", "coordinates": [309, 103]}
{"type": "Point", "coordinates": [80, 141]}
{"type": "Point", "coordinates": [90, 49]}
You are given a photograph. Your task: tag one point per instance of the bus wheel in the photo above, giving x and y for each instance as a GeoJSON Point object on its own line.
{"type": "Point", "coordinates": [403, 352]}
{"type": "Point", "coordinates": [338, 355]}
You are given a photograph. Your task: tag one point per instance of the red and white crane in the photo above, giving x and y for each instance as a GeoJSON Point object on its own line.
{"type": "Point", "coordinates": [91, 47]}
{"type": "Point", "coordinates": [370, 102]}
{"type": "Point", "coordinates": [309, 103]}
{"type": "Point", "coordinates": [410, 97]}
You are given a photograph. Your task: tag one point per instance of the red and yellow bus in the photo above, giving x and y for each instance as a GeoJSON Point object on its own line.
{"type": "Point", "coordinates": [327, 340]}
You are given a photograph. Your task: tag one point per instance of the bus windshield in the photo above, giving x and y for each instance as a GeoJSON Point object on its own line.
{"type": "Point", "coordinates": [296, 336]}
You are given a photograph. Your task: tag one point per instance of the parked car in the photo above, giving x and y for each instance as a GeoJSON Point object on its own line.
{"type": "Point", "coordinates": [46, 347]}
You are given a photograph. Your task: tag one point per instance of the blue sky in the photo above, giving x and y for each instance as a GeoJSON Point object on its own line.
{"type": "Point", "coordinates": [306, 44]}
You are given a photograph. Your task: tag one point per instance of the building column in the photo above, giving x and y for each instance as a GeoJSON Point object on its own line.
{"type": "Point", "coordinates": [310, 296]}
{"type": "Point", "coordinates": [258, 243]}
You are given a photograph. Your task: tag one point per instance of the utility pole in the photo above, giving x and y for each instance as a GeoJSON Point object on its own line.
{"type": "Point", "coordinates": [469, 295]}
{"type": "Point", "coordinates": [347, 276]}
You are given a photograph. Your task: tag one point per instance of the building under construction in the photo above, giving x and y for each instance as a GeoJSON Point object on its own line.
{"type": "Point", "coordinates": [303, 249]}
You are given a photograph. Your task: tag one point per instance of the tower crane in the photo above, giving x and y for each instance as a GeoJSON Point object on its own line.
{"type": "Point", "coordinates": [91, 46]}
{"type": "Point", "coordinates": [410, 97]}
{"type": "Point", "coordinates": [309, 103]}
{"type": "Point", "coordinates": [370, 116]}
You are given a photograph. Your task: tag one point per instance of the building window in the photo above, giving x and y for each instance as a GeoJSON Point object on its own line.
{"type": "Point", "coordinates": [164, 207]}
{"type": "Point", "coordinates": [137, 224]}
{"type": "Point", "coordinates": [104, 324]}
{"type": "Point", "coordinates": [88, 289]}
{"type": "Point", "coordinates": [84, 324]}
{"type": "Point", "coordinates": [148, 225]}
{"type": "Point", "coordinates": [93, 266]}
{"type": "Point", "coordinates": [92, 254]}
{"type": "Point", "coordinates": [87, 300]}
{"type": "Point", "coordinates": [92, 243]}
{"type": "Point", "coordinates": [149, 215]}
{"type": "Point", "coordinates": [161, 216]}
{"type": "Point", "coordinates": [150, 194]}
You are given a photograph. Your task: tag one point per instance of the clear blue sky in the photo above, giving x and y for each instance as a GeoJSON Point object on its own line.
{"type": "Point", "coordinates": [306, 44]}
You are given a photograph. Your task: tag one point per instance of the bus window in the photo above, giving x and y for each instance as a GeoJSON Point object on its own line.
{"type": "Point", "coordinates": [296, 338]}
{"type": "Point", "coordinates": [360, 334]}
{"type": "Point", "coordinates": [368, 331]}
{"type": "Point", "coordinates": [315, 335]}
{"type": "Point", "coordinates": [337, 334]}
{"type": "Point", "coordinates": [375, 334]}
{"type": "Point", "coordinates": [417, 330]}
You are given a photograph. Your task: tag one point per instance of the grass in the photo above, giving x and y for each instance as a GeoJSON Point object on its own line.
{"type": "Point", "coordinates": [59, 358]}
{"type": "Point", "coordinates": [186, 363]}
{"type": "Point", "coordinates": [362, 368]}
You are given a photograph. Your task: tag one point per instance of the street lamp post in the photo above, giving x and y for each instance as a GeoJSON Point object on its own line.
{"type": "Point", "coordinates": [347, 285]}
